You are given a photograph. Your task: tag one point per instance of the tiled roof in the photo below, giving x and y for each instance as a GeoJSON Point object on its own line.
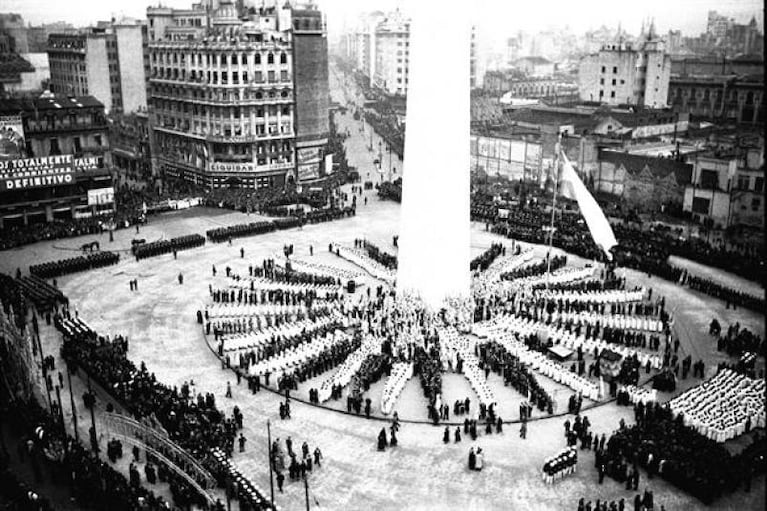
{"type": "Point", "coordinates": [659, 167]}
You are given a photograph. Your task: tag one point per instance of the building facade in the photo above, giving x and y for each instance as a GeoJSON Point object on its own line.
{"type": "Point", "coordinates": [727, 189]}
{"type": "Point", "coordinates": [13, 27]}
{"type": "Point", "coordinates": [643, 183]}
{"type": "Point", "coordinates": [60, 169]}
{"type": "Point", "coordinates": [130, 148]}
{"type": "Point", "coordinates": [720, 98]}
{"type": "Point", "coordinates": [624, 73]}
{"type": "Point", "coordinates": [107, 62]}
{"type": "Point", "coordinates": [392, 47]}
{"type": "Point", "coordinates": [224, 94]}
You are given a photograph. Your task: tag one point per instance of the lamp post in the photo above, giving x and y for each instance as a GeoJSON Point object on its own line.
{"type": "Point", "coordinates": [93, 433]}
{"type": "Point", "coordinates": [271, 474]}
{"type": "Point", "coordinates": [72, 403]}
{"type": "Point", "coordinates": [306, 489]}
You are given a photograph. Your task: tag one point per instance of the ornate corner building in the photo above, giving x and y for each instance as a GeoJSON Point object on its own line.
{"type": "Point", "coordinates": [239, 96]}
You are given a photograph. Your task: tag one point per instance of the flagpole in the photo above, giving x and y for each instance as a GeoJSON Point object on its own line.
{"type": "Point", "coordinates": [553, 208]}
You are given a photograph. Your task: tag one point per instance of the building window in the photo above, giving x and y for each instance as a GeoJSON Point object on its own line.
{"type": "Point", "coordinates": [614, 81]}
{"type": "Point", "coordinates": [270, 58]}
{"type": "Point", "coordinates": [709, 179]}
{"type": "Point", "coordinates": [601, 94]}
{"type": "Point", "coordinates": [612, 94]}
{"type": "Point", "coordinates": [615, 70]}
{"type": "Point", "coordinates": [283, 58]}
{"type": "Point", "coordinates": [601, 81]}
{"type": "Point", "coordinates": [755, 204]}
{"type": "Point", "coordinates": [758, 184]}
{"type": "Point", "coordinates": [603, 69]}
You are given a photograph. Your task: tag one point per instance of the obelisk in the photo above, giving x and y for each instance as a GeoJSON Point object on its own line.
{"type": "Point", "coordinates": [434, 241]}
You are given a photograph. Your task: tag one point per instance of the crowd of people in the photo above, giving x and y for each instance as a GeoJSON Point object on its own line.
{"type": "Point", "coordinates": [661, 444]}
{"type": "Point", "coordinates": [560, 465]}
{"type": "Point", "coordinates": [642, 502]}
{"type": "Point", "coordinates": [731, 297]}
{"type": "Point", "coordinates": [391, 190]}
{"type": "Point", "coordinates": [638, 248]}
{"type": "Point", "coordinates": [193, 422]}
{"type": "Point", "coordinates": [737, 340]}
{"type": "Point", "coordinates": [376, 254]}
{"type": "Point", "coordinates": [540, 268]}
{"type": "Point", "coordinates": [515, 374]}
{"type": "Point", "coordinates": [74, 264]}
{"type": "Point", "coordinates": [155, 248]}
{"type": "Point", "coordinates": [483, 261]}
{"type": "Point", "coordinates": [297, 464]}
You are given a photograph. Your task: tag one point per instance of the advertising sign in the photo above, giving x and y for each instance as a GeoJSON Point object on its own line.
{"type": "Point", "coordinates": [533, 155]}
{"type": "Point", "coordinates": [328, 164]}
{"type": "Point", "coordinates": [99, 196]}
{"type": "Point", "coordinates": [517, 152]}
{"type": "Point", "coordinates": [232, 167]}
{"type": "Point", "coordinates": [308, 155]}
{"type": "Point", "coordinates": [36, 172]}
{"type": "Point", "coordinates": [11, 137]}
{"type": "Point", "coordinates": [309, 171]}
{"type": "Point", "coordinates": [659, 129]}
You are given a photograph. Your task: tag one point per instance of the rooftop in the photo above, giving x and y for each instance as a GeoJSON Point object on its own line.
{"type": "Point", "coordinates": [48, 102]}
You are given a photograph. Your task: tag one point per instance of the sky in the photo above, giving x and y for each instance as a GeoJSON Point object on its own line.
{"type": "Point", "coordinates": [496, 17]}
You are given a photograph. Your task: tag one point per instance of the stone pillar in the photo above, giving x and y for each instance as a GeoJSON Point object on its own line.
{"type": "Point", "coordinates": [434, 251]}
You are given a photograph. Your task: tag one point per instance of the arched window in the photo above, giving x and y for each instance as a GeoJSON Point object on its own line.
{"type": "Point", "coordinates": [270, 58]}
{"type": "Point", "coordinates": [283, 58]}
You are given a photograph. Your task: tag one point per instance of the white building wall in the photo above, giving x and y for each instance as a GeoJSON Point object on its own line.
{"type": "Point", "coordinates": [97, 69]}
{"type": "Point", "coordinates": [130, 55]}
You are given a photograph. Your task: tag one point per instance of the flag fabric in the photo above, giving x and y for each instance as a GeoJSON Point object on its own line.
{"type": "Point", "coordinates": [573, 188]}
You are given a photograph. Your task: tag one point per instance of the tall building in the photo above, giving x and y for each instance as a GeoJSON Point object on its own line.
{"type": "Point", "coordinates": [312, 93]}
{"type": "Point", "coordinates": [223, 89]}
{"type": "Point", "coordinates": [717, 24]}
{"type": "Point", "coordinates": [38, 35]}
{"type": "Point", "coordinates": [392, 48]}
{"type": "Point", "coordinates": [627, 73]}
{"type": "Point", "coordinates": [106, 61]}
{"type": "Point", "coordinates": [361, 43]}
{"type": "Point", "coordinates": [12, 26]}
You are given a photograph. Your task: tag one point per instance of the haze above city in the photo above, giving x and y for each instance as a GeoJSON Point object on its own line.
{"type": "Point", "coordinates": [495, 17]}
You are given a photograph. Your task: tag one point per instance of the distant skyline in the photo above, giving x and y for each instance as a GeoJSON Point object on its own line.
{"type": "Point", "coordinates": [496, 18]}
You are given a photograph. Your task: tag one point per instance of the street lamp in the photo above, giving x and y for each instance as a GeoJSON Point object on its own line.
{"type": "Point", "coordinates": [72, 403]}
{"type": "Point", "coordinates": [271, 473]}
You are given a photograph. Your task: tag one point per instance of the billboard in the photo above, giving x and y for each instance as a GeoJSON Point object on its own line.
{"type": "Point", "coordinates": [99, 196]}
{"type": "Point", "coordinates": [232, 167]}
{"type": "Point", "coordinates": [309, 155]}
{"type": "Point", "coordinates": [11, 137]}
{"type": "Point", "coordinates": [308, 171]}
{"type": "Point", "coordinates": [36, 172]}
